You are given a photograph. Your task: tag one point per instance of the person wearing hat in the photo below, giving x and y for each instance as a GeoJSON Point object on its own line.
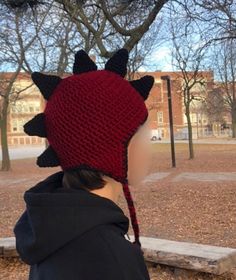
{"type": "Point", "coordinates": [97, 126]}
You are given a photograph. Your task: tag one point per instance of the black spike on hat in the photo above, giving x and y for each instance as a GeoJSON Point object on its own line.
{"type": "Point", "coordinates": [118, 62]}
{"type": "Point", "coordinates": [36, 126]}
{"type": "Point", "coordinates": [143, 85]}
{"type": "Point", "coordinates": [46, 83]}
{"type": "Point", "coordinates": [83, 63]}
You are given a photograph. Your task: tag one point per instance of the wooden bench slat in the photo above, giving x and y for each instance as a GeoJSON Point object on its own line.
{"type": "Point", "coordinates": [194, 256]}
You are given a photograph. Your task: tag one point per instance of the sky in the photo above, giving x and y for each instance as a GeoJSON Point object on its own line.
{"type": "Point", "coordinates": [161, 58]}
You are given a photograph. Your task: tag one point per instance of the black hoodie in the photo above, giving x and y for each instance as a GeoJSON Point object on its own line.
{"type": "Point", "coordinates": [71, 234]}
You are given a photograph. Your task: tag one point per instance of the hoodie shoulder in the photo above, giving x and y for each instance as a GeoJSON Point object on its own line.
{"type": "Point", "coordinates": [85, 257]}
{"type": "Point", "coordinates": [66, 214]}
{"type": "Point", "coordinates": [127, 255]}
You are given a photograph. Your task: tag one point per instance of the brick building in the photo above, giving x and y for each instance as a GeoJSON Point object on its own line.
{"type": "Point", "coordinates": [31, 102]}
{"type": "Point", "coordinates": [157, 103]}
{"type": "Point", "coordinates": [23, 106]}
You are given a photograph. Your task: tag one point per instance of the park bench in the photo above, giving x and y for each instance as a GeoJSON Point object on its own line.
{"type": "Point", "coordinates": [191, 256]}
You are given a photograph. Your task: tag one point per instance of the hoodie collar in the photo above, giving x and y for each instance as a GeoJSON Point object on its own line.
{"type": "Point", "coordinates": [55, 215]}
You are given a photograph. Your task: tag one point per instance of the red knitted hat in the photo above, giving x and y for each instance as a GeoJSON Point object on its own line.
{"type": "Point", "coordinates": [90, 118]}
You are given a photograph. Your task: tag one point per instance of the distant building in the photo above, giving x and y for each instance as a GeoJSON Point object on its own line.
{"type": "Point", "coordinates": [30, 102]}
{"type": "Point", "coordinates": [157, 103]}
{"type": "Point", "coordinates": [23, 108]}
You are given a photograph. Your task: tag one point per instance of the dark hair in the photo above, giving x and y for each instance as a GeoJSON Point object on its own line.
{"type": "Point", "coordinates": [83, 178]}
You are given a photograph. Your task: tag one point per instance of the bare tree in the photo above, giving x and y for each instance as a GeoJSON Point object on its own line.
{"type": "Point", "coordinates": [187, 58]}
{"type": "Point", "coordinates": [214, 105]}
{"type": "Point", "coordinates": [225, 69]}
{"type": "Point", "coordinates": [214, 19]}
{"type": "Point", "coordinates": [13, 51]}
{"type": "Point", "coordinates": [219, 17]}
{"type": "Point", "coordinates": [28, 45]}
{"type": "Point", "coordinates": [105, 25]}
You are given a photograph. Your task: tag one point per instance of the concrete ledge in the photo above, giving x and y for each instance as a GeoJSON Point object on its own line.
{"type": "Point", "coordinates": [8, 247]}
{"type": "Point", "coordinates": [199, 257]}
{"type": "Point", "coordinates": [191, 256]}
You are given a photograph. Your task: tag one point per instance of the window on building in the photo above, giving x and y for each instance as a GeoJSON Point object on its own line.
{"type": "Point", "coordinates": [21, 122]}
{"type": "Point", "coordinates": [17, 125]}
{"type": "Point", "coordinates": [25, 108]}
{"type": "Point", "coordinates": [162, 133]}
{"type": "Point", "coordinates": [193, 117]}
{"type": "Point", "coordinates": [160, 117]}
{"type": "Point", "coordinates": [19, 108]}
{"type": "Point", "coordinates": [14, 125]}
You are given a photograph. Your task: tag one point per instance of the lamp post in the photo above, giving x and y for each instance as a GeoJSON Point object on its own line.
{"type": "Point", "coordinates": [167, 79]}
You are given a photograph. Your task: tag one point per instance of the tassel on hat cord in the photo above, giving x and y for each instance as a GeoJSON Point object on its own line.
{"type": "Point", "coordinates": [132, 215]}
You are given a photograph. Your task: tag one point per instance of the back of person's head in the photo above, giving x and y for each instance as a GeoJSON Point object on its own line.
{"type": "Point", "coordinates": [83, 178]}
{"type": "Point", "coordinates": [96, 123]}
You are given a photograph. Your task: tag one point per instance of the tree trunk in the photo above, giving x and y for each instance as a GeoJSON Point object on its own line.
{"type": "Point", "coordinates": [233, 114]}
{"type": "Point", "coordinates": [6, 164]}
{"type": "Point", "coordinates": [190, 133]}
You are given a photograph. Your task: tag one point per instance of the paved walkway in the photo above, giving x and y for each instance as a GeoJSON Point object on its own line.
{"type": "Point", "coordinates": [25, 152]}
{"type": "Point", "coordinates": [35, 151]}
{"type": "Point", "coordinates": [206, 177]}
{"type": "Point", "coordinates": [193, 176]}
{"type": "Point", "coordinates": [155, 177]}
